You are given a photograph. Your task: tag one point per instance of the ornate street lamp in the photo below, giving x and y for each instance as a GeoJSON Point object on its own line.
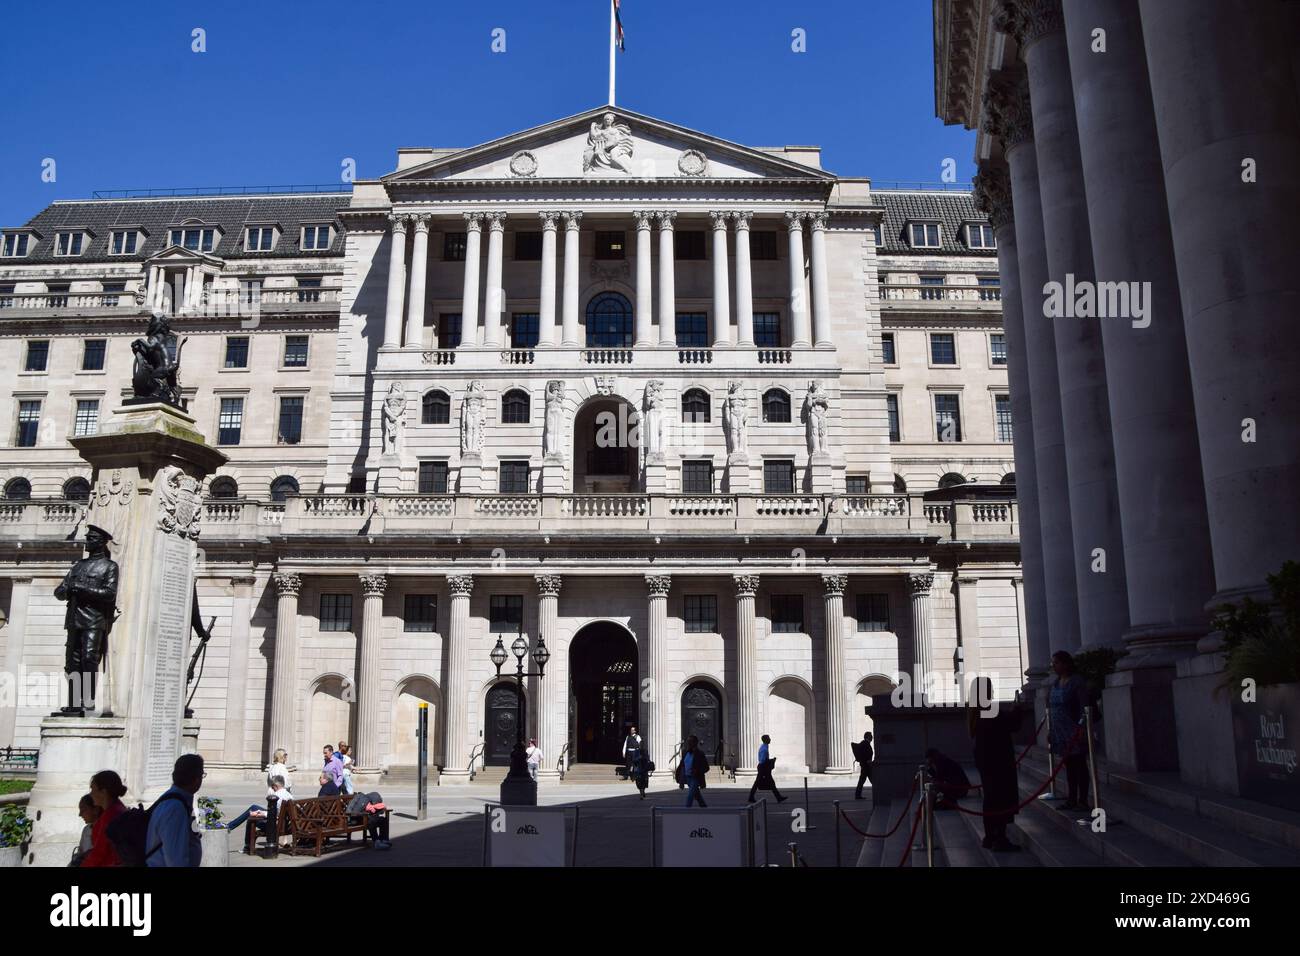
{"type": "Point", "coordinates": [518, 782]}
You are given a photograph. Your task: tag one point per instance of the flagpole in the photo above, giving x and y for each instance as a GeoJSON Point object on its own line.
{"type": "Point", "coordinates": [613, 39]}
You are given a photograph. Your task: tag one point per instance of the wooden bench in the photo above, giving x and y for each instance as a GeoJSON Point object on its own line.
{"type": "Point", "coordinates": [311, 823]}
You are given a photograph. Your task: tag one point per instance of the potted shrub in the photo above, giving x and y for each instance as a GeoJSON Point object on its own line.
{"type": "Point", "coordinates": [15, 831]}
{"type": "Point", "coordinates": [215, 836]}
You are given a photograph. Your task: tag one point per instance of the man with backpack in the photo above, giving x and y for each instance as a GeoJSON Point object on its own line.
{"type": "Point", "coordinates": [172, 839]}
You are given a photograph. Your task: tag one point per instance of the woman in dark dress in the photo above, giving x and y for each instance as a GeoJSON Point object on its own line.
{"type": "Point", "coordinates": [995, 757]}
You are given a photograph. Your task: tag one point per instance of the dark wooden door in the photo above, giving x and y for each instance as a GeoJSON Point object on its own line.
{"type": "Point", "coordinates": [702, 716]}
{"type": "Point", "coordinates": [501, 725]}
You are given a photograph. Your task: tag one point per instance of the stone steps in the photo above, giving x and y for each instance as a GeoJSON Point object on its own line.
{"type": "Point", "coordinates": [975, 828]}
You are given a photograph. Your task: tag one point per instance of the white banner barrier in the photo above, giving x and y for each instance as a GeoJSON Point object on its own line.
{"type": "Point", "coordinates": [722, 836]}
{"type": "Point", "coordinates": [526, 836]}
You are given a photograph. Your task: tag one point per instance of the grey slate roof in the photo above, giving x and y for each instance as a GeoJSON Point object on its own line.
{"type": "Point", "coordinates": [951, 210]}
{"type": "Point", "coordinates": [155, 216]}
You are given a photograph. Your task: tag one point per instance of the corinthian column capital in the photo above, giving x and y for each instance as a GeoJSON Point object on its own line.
{"type": "Point", "coordinates": [287, 583]}
{"type": "Point", "coordinates": [835, 584]}
{"type": "Point", "coordinates": [473, 221]}
{"type": "Point", "coordinates": [920, 582]}
{"type": "Point", "coordinates": [549, 219]}
{"type": "Point", "coordinates": [644, 219]}
{"type": "Point", "coordinates": [548, 585]}
{"type": "Point", "coordinates": [460, 585]}
{"type": "Point", "coordinates": [374, 585]}
{"type": "Point", "coordinates": [993, 194]}
{"type": "Point", "coordinates": [658, 584]}
{"type": "Point", "coordinates": [746, 584]}
{"type": "Point", "coordinates": [1006, 107]}
{"type": "Point", "coordinates": [398, 222]}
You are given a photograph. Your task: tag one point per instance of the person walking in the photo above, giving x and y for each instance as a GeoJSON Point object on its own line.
{"type": "Point", "coordinates": [692, 770]}
{"type": "Point", "coordinates": [534, 756]}
{"type": "Point", "coordinates": [995, 758]}
{"type": "Point", "coordinates": [863, 752]}
{"type": "Point", "coordinates": [106, 790]}
{"type": "Point", "coordinates": [764, 781]}
{"type": "Point", "coordinates": [172, 839]}
{"type": "Point", "coordinates": [632, 747]}
{"type": "Point", "coordinates": [1066, 702]}
{"type": "Point", "coordinates": [640, 771]}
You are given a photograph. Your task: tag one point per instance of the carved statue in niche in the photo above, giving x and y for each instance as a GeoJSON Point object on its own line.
{"type": "Point", "coordinates": [735, 418]}
{"type": "Point", "coordinates": [553, 433]}
{"type": "Point", "coordinates": [471, 420]}
{"type": "Point", "coordinates": [154, 377]}
{"type": "Point", "coordinates": [653, 425]}
{"type": "Point", "coordinates": [394, 419]}
{"type": "Point", "coordinates": [609, 146]}
{"type": "Point", "coordinates": [816, 408]}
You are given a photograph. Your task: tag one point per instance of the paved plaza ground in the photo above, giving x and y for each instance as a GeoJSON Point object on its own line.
{"type": "Point", "coordinates": [614, 827]}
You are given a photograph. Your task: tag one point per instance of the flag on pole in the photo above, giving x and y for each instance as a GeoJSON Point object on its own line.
{"type": "Point", "coordinates": [618, 27]}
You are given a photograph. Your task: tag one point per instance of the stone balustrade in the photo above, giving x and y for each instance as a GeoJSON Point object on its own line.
{"type": "Point", "coordinates": [645, 358]}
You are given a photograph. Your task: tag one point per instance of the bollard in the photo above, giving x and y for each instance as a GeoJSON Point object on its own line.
{"type": "Point", "coordinates": [1092, 761]}
{"type": "Point", "coordinates": [838, 861]}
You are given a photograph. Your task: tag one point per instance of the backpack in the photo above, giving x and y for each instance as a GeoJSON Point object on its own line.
{"type": "Point", "coordinates": [130, 832]}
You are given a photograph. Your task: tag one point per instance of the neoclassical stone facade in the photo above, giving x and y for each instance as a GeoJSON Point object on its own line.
{"type": "Point", "coordinates": [697, 414]}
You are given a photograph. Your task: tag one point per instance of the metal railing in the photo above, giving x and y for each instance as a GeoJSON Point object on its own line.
{"type": "Point", "coordinates": [220, 191]}
{"type": "Point", "coordinates": [20, 759]}
{"type": "Point", "coordinates": [474, 753]}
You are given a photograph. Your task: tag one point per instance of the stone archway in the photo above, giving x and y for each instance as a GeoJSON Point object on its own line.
{"type": "Point", "coordinates": [329, 716]}
{"type": "Point", "coordinates": [501, 722]}
{"type": "Point", "coordinates": [603, 680]}
{"type": "Point", "coordinates": [605, 451]}
{"type": "Point", "coordinates": [862, 700]}
{"type": "Point", "coordinates": [793, 722]}
{"type": "Point", "coordinates": [403, 746]}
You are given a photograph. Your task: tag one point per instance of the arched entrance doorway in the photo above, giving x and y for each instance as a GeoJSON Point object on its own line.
{"type": "Point", "coordinates": [602, 691]}
{"type": "Point", "coordinates": [790, 709]}
{"type": "Point", "coordinates": [605, 453]}
{"type": "Point", "coordinates": [500, 723]}
{"type": "Point", "coordinates": [330, 715]}
{"type": "Point", "coordinates": [863, 702]}
{"type": "Point", "coordinates": [702, 716]}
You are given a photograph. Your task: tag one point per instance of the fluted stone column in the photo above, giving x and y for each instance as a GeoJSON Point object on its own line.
{"type": "Point", "coordinates": [572, 225]}
{"type": "Point", "coordinates": [749, 696]}
{"type": "Point", "coordinates": [1081, 371]}
{"type": "Point", "coordinates": [419, 266]}
{"type": "Point", "coordinates": [469, 297]}
{"type": "Point", "coordinates": [644, 322]}
{"type": "Point", "coordinates": [396, 282]}
{"type": "Point", "coordinates": [744, 281]}
{"type": "Point", "coordinates": [546, 302]}
{"type": "Point", "coordinates": [659, 708]}
{"type": "Point", "coordinates": [1008, 117]}
{"type": "Point", "coordinates": [369, 671]}
{"type": "Point", "coordinates": [839, 732]}
{"type": "Point", "coordinates": [1224, 94]}
{"type": "Point", "coordinates": [721, 293]}
{"type": "Point", "coordinates": [667, 287]}
{"type": "Point", "coordinates": [918, 585]}
{"type": "Point", "coordinates": [821, 289]}
{"type": "Point", "coordinates": [993, 196]}
{"type": "Point", "coordinates": [284, 669]}
{"type": "Point", "coordinates": [494, 295]}
{"type": "Point", "coordinates": [553, 719]}
{"type": "Point", "coordinates": [456, 681]}
{"type": "Point", "coordinates": [799, 331]}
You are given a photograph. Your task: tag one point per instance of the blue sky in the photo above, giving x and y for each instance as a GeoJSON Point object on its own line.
{"type": "Point", "coordinates": [287, 90]}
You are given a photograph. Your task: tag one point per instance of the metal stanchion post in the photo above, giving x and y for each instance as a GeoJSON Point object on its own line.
{"type": "Point", "coordinates": [1051, 760]}
{"type": "Point", "coordinates": [794, 854]}
{"type": "Point", "coordinates": [807, 808]}
{"type": "Point", "coordinates": [929, 825]}
{"type": "Point", "coordinates": [838, 862]}
{"type": "Point", "coordinates": [422, 781]}
{"type": "Point", "coordinates": [1092, 761]}
{"type": "Point", "coordinates": [919, 840]}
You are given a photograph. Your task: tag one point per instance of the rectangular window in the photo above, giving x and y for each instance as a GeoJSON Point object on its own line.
{"type": "Point", "coordinates": [290, 419]}
{"type": "Point", "coordinates": [7, 295]}
{"type": "Point", "coordinates": [762, 244]}
{"type": "Point", "coordinates": [887, 354]}
{"type": "Point", "coordinates": [947, 417]}
{"type": "Point", "coordinates": [931, 287]}
{"type": "Point", "coordinates": [925, 235]}
{"type": "Point", "coordinates": [767, 330]}
{"type": "Point", "coordinates": [700, 612]}
{"type": "Point", "coordinates": [523, 330]}
{"type": "Point", "coordinates": [230, 421]}
{"type": "Point", "coordinates": [38, 355]}
{"type": "Point", "coordinates": [250, 291]}
{"type": "Point", "coordinates": [943, 348]}
{"type": "Point", "coordinates": [336, 612]}
{"type": "Point", "coordinates": [891, 406]}
{"type": "Point", "coordinates": [778, 476]}
{"type": "Point", "coordinates": [611, 245]}
{"type": "Point", "coordinates": [693, 330]}
{"type": "Point", "coordinates": [697, 477]}
{"type": "Point", "coordinates": [420, 612]}
{"type": "Point", "coordinates": [295, 351]}
{"type": "Point", "coordinates": [876, 231]}
{"type": "Point", "coordinates": [448, 330]}
{"type": "Point", "coordinates": [873, 612]}
{"type": "Point", "coordinates": [688, 244]}
{"type": "Point", "coordinates": [16, 245]}
{"type": "Point", "coordinates": [787, 613]}
{"type": "Point", "coordinates": [69, 244]}
{"type": "Point", "coordinates": [528, 246]}
{"type": "Point", "coordinates": [1002, 414]}
{"type": "Point", "coordinates": [514, 478]}
{"type": "Point", "coordinates": [92, 356]}
{"type": "Point", "coordinates": [124, 242]}
{"type": "Point", "coordinates": [309, 290]}
{"type": "Point", "coordinates": [506, 613]}
{"type": "Point", "coordinates": [980, 236]}
{"type": "Point", "coordinates": [857, 484]}
{"type": "Point", "coordinates": [111, 292]}
{"type": "Point", "coordinates": [260, 238]}
{"type": "Point", "coordinates": [86, 421]}
{"type": "Point", "coordinates": [433, 478]}
{"type": "Point", "coordinates": [197, 240]}
{"type": "Point", "coordinates": [990, 288]}
{"type": "Point", "coordinates": [453, 246]}
{"type": "Point", "coordinates": [316, 238]}
{"type": "Point", "coordinates": [237, 351]}
{"type": "Point", "coordinates": [29, 423]}
{"type": "Point", "coordinates": [997, 349]}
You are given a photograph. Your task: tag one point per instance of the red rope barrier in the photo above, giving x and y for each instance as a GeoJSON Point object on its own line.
{"type": "Point", "coordinates": [884, 836]}
{"type": "Point", "coordinates": [1028, 800]}
{"type": "Point", "coordinates": [912, 836]}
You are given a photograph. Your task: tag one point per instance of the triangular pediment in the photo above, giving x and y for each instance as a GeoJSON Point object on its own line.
{"type": "Point", "coordinates": [592, 146]}
{"type": "Point", "coordinates": [179, 254]}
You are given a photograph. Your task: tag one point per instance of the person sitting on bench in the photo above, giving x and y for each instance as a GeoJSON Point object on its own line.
{"type": "Point", "coordinates": [263, 821]}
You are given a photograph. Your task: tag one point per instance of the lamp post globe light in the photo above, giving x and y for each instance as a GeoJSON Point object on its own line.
{"type": "Point", "coordinates": [519, 787]}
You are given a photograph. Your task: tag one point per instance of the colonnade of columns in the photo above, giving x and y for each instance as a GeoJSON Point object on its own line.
{"type": "Point", "coordinates": [1155, 448]}
{"type": "Point", "coordinates": [407, 293]}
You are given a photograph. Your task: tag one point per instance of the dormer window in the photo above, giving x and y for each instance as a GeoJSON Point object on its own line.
{"type": "Point", "coordinates": [979, 235]}
{"type": "Point", "coordinates": [194, 238]}
{"type": "Point", "coordinates": [124, 242]}
{"type": "Point", "coordinates": [924, 235]}
{"type": "Point", "coordinates": [259, 238]}
{"type": "Point", "coordinates": [316, 238]}
{"type": "Point", "coordinates": [69, 243]}
{"type": "Point", "coordinates": [15, 244]}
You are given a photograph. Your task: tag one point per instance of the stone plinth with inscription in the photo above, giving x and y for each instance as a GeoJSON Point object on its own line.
{"type": "Point", "coordinates": [148, 467]}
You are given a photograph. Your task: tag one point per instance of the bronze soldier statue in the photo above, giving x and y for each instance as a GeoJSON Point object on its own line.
{"type": "Point", "coordinates": [154, 377]}
{"type": "Point", "coordinates": [90, 588]}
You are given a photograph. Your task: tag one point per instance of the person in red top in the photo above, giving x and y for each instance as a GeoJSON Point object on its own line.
{"type": "Point", "coordinates": [107, 790]}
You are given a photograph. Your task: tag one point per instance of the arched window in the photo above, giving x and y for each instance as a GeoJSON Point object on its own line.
{"type": "Point", "coordinates": [1009, 478]}
{"type": "Point", "coordinates": [900, 486]}
{"type": "Point", "coordinates": [223, 487]}
{"type": "Point", "coordinates": [514, 407]}
{"type": "Point", "coordinates": [609, 321]}
{"type": "Point", "coordinates": [282, 487]}
{"type": "Point", "coordinates": [18, 489]}
{"type": "Point", "coordinates": [435, 408]}
{"type": "Point", "coordinates": [76, 489]}
{"type": "Point", "coordinates": [951, 479]}
{"type": "Point", "coordinates": [695, 406]}
{"type": "Point", "coordinates": [776, 406]}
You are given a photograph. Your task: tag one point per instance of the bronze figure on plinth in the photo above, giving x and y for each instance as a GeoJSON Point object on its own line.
{"type": "Point", "coordinates": [155, 375]}
{"type": "Point", "coordinates": [90, 588]}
